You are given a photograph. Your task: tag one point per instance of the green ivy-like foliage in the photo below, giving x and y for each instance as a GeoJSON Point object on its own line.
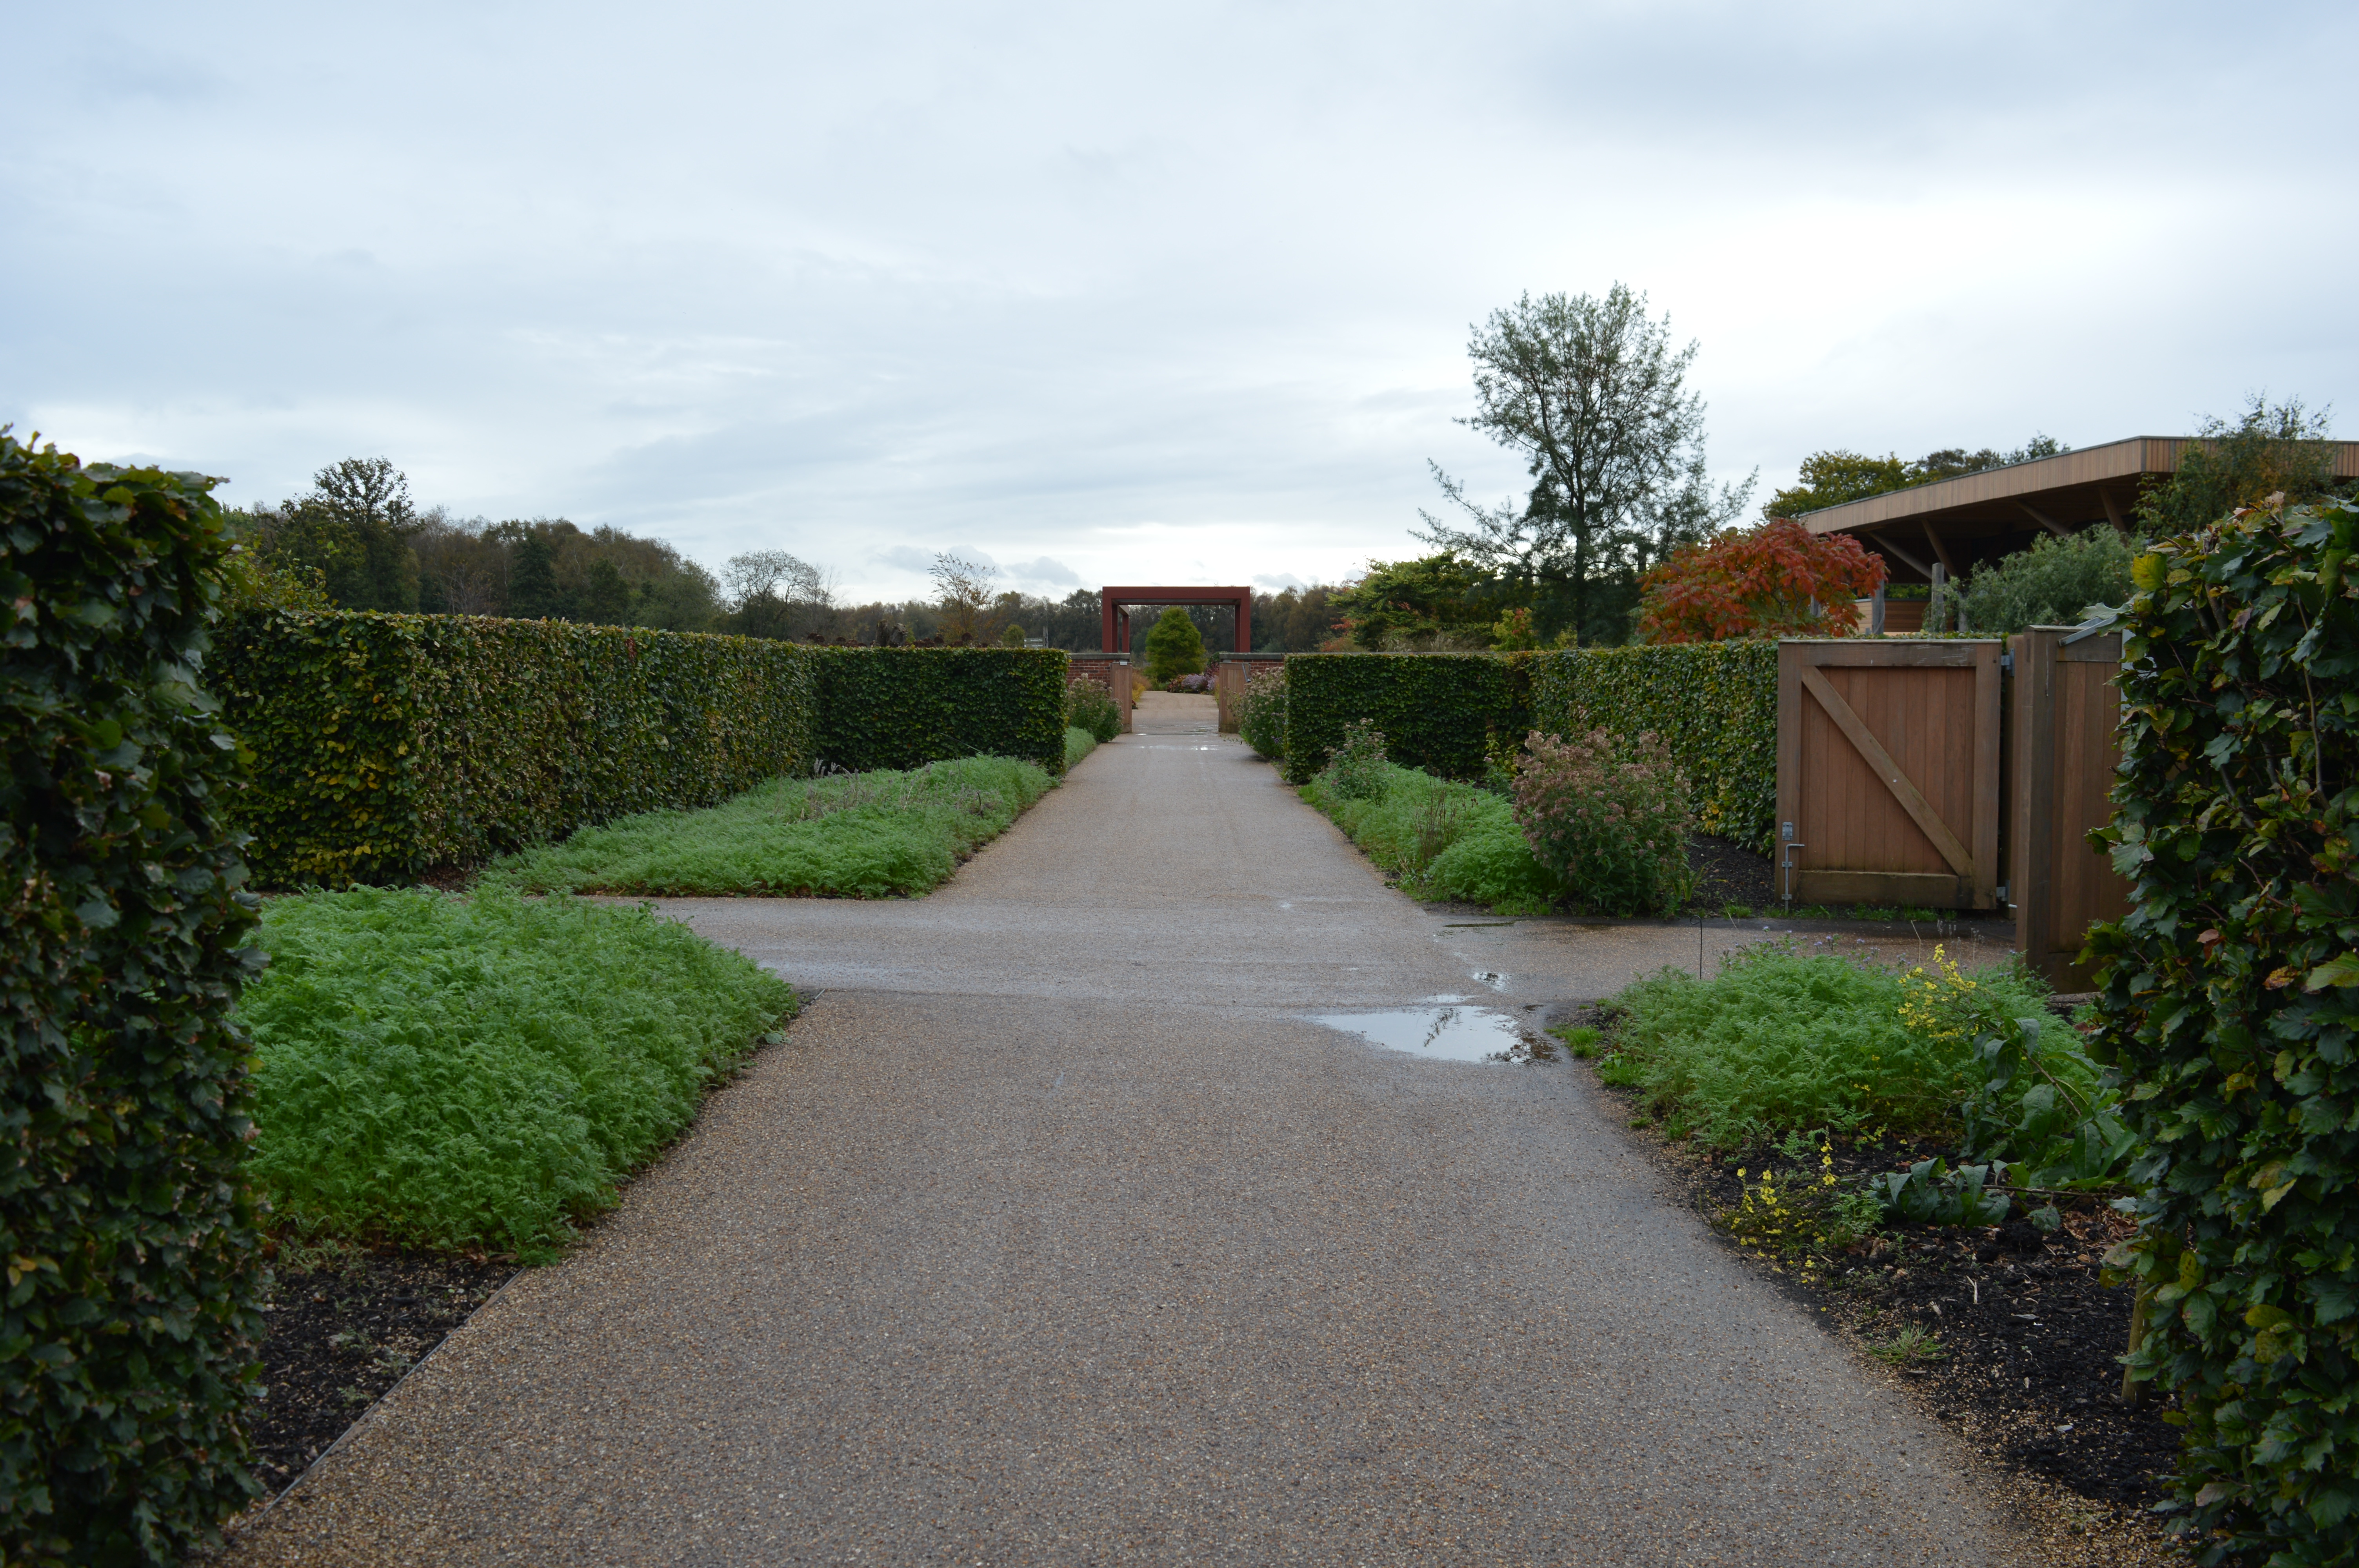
{"type": "Point", "coordinates": [387, 745]}
{"type": "Point", "coordinates": [1715, 705]}
{"type": "Point", "coordinates": [128, 1327]}
{"type": "Point", "coordinates": [2231, 997]}
{"type": "Point", "coordinates": [903, 708]}
{"type": "Point", "coordinates": [1449, 714]}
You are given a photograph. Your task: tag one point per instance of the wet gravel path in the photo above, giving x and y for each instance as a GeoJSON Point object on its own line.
{"type": "Point", "coordinates": [1068, 1239]}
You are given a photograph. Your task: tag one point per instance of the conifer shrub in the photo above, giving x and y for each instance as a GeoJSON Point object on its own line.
{"type": "Point", "coordinates": [129, 1326]}
{"type": "Point", "coordinates": [1174, 646]}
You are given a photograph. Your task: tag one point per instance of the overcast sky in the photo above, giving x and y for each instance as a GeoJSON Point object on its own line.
{"type": "Point", "coordinates": [1118, 293]}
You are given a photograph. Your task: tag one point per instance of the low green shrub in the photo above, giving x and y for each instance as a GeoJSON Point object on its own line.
{"type": "Point", "coordinates": [1079, 743]}
{"type": "Point", "coordinates": [1442, 838]}
{"type": "Point", "coordinates": [1713, 704]}
{"type": "Point", "coordinates": [2050, 584]}
{"type": "Point", "coordinates": [388, 745]}
{"type": "Point", "coordinates": [1446, 714]}
{"type": "Point", "coordinates": [1357, 769]}
{"type": "Point", "coordinates": [875, 834]}
{"type": "Point", "coordinates": [1261, 713]}
{"type": "Point", "coordinates": [2230, 1006]}
{"type": "Point", "coordinates": [903, 708]}
{"type": "Point", "coordinates": [481, 1072]}
{"type": "Point", "coordinates": [1608, 814]}
{"type": "Point", "coordinates": [128, 1330]}
{"type": "Point", "coordinates": [1090, 706]}
{"type": "Point", "coordinates": [1778, 1040]}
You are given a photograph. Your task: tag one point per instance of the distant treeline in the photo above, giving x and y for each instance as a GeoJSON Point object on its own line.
{"type": "Point", "coordinates": [357, 542]}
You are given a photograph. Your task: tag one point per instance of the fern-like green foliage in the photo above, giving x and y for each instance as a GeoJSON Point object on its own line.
{"type": "Point", "coordinates": [873, 835]}
{"type": "Point", "coordinates": [1779, 1040]}
{"type": "Point", "coordinates": [481, 1072]}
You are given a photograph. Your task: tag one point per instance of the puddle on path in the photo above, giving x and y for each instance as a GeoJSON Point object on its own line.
{"type": "Point", "coordinates": [1451, 1034]}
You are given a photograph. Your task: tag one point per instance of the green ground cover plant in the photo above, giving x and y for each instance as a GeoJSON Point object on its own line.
{"type": "Point", "coordinates": [455, 1072]}
{"type": "Point", "coordinates": [1079, 743]}
{"type": "Point", "coordinates": [1780, 1040]}
{"type": "Point", "coordinates": [875, 835]}
{"type": "Point", "coordinates": [1444, 840]}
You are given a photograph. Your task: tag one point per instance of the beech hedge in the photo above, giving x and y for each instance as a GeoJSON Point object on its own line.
{"type": "Point", "coordinates": [1715, 705]}
{"type": "Point", "coordinates": [2230, 1010]}
{"type": "Point", "coordinates": [128, 1329]}
{"type": "Point", "coordinates": [903, 708]}
{"type": "Point", "coordinates": [386, 745]}
{"type": "Point", "coordinates": [1449, 714]}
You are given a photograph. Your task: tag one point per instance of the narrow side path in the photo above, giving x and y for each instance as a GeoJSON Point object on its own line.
{"type": "Point", "coordinates": [1055, 1234]}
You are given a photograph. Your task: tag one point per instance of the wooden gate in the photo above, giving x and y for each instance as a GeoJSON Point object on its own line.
{"type": "Point", "coordinates": [1888, 771]}
{"type": "Point", "coordinates": [2066, 743]}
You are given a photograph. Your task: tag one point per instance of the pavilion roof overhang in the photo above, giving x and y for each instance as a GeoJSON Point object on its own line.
{"type": "Point", "coordinates": [1977, 515]}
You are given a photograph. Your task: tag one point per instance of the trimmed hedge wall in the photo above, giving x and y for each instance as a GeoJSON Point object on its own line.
{"type": "Point", "coordinates": [1714, 704]}
{"type": "Point", "coordinates": [2231, 1008]}
{"type": "Point", "coordinates": [388, 745]}
{"type": "Point", "coordinates": [129, 1326]}
{"type": "Point", "coordinates": [1446, 713]}
{"type": "Point", "coordinates": [902, 708]}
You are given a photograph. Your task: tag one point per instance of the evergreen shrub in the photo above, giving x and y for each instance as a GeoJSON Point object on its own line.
{"type": "Point", "coordinates": [386, 745]}
{"type": "Point", "coordinates": [903, 708]}
{"type": "Point", "coordinates": [128, 1327]}
{"type": "Point", "coordinates": [2230, 1010]}
{"type": "Point", "coordinates": [1174, 646]}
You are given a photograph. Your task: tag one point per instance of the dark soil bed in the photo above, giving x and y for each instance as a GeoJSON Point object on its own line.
{"type": "Point", "coordinates": [2021, 1331]}
{"type": "Point", "coordinates": [1727, 872]}
{"type": "Point", "coordinates": [339, 1337]}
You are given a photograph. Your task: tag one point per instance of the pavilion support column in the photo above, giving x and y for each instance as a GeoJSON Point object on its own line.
{"type": "Point", "coordinates": [1940, 551]}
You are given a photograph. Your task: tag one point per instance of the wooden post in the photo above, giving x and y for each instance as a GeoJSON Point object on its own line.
{"type": "Point", "coordinates": [2031, 873]}
{"type": "Point", "coordinates": [1876, 613]}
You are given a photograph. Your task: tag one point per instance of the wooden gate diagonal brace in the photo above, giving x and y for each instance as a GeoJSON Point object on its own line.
{"type": "Point", "coordinates": [1880, 762]}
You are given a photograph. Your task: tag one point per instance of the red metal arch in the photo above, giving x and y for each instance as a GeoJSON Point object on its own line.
{"type": "Point", "coordinates": [1115, 603]}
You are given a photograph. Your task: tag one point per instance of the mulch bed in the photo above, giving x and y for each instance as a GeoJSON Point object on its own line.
{"type": "Point", "coordinates": [2025, 1330]}
{"type": "Point", "coordinates": [1727, 872]}
{"type": "Point", "coordinates": [339, 1337]}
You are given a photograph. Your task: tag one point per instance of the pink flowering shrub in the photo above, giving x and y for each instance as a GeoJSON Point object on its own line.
{"type": "Point", "coordinates": [1610, 815]}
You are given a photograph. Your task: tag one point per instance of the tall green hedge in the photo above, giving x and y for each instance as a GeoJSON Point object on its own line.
{"type": "Point", "coordinates": [1714, 704]}
{"type": "Point", "coordinates": [1446, 713]}
{"type": "Point", "coordinates": [386, 745]}
{"type": "Point", "coordinates": [128, 1325]}
{"type": "Point", "coordinates": [900, 708]}
{"type": "Point", "coordinates": [2231, 1008]}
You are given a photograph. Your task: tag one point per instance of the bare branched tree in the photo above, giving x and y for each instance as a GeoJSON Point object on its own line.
{"type": "Point", "coordinates": [965, 588]}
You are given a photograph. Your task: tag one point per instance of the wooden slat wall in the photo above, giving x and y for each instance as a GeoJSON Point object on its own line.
{"type": "Point", "coordinates": [2067, 743]}
{"type": "Point", "coordinates": [1933, 707]}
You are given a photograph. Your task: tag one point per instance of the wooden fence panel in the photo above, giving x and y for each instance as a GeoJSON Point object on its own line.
{"type": "Point", "coordinates": [1888, 771]}
{"type": "Point", "coordinates": [2067, 743]}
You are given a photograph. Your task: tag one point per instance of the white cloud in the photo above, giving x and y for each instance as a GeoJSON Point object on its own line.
{"type": "Point", "coordinates": [1147, 293]}
{"type": "Point", "coordinates": [1045, 569]}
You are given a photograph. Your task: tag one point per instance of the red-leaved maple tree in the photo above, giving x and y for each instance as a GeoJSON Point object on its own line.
{"type": "Point", "coordinates": [1776, 580]}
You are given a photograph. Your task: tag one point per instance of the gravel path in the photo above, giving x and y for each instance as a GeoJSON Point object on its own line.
{"type": "Point", "coordinates": [1055, 1234]}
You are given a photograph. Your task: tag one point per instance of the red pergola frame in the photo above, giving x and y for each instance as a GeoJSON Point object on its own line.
{"type": "Point", "coordinates": [1115, 603]}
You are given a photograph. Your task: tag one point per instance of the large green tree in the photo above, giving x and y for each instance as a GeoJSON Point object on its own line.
{"type": "Point", "coordinates": [353, 531]}
{"type": "Point", "coordinates": [1591, 393]}
{"type": "Point", "coordinates": [1436, 602]}
{"type": "Point", "coordinates": [2268, 449]}
{"type": "Point", "coordinates": [1837, 475]}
